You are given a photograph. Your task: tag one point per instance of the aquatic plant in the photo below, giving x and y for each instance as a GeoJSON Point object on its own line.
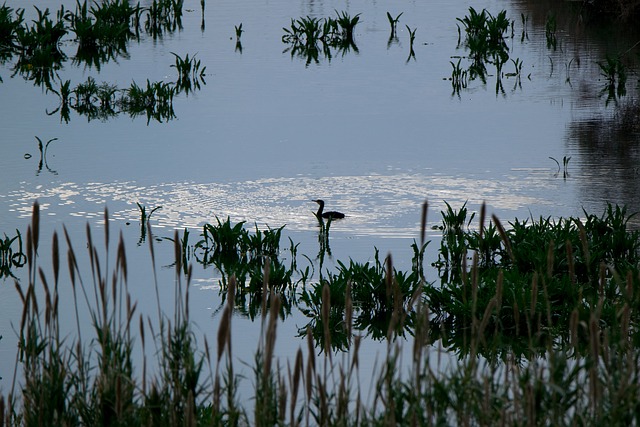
{"type": "Point", "coordinates": [565, 164]}
{"type": "Point", "coordinates": [8, 29]}
{"type": "Point", "coordinates": [38, 48]}
{"type": "Point", "coordinates": [525, 20]}
{"type": "Point", "coordinates": [393, 22]}
{"type": "Point", "coordinates": [548, 326]}
{"type": "Point", "coordinates": [163, 16]}
{"type": "Point", "coordinates": [11, 257]}
{"type": "Point", "coordinates": [102, 32]}
{"type": "Point", "coordinates": [347, 24]}
{"type": "Point", "coordinates": [614, 71]}
{"type": "Point", "coordinates": [458, 77]}
{"type": "Point", "coordinates": [190, 73]}
{"type": "Point", "coordinates": [144, 220]}
{"type": "Point", "coordinates": [485, 39]}
{"type": "Point", "coordinates": [412, 38]}
{"type": "Point", "coordinates": [42, 148]}
{"type": "Point", "coordinates": [155, 100]}
{"type": "Point", "coordinates": [550, 28]}
{"type": "Point", "coordinates": [307, 36]}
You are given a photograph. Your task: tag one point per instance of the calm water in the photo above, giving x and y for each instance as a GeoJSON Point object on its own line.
{"type": "Point", "coordinates": [374, 133]}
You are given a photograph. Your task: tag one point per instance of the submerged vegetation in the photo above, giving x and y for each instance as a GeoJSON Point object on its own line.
{"type": "Point", "coordinates": [541, 313]}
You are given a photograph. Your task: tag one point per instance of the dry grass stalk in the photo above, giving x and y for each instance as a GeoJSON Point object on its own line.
{"type": "Point", "coordinates": [326, 311]}
{"type": "Point", "coordinates": [265, 285]}
{"type": "Point", "coordinates": [423, 222]}
{"type": "Point", "coordinates": [270, 340]}
{"type": "Point", "coordinates": [571, 263]}
{"type": "Point", "coordinates": [55, 255]}
{"type": "Point", "coordinates": [348, 311]}
{"type": "Point", "coordinates": [298, 371]}
{"type": "Point", "coordinates": [223, 332]}
{"type": "Point", "coordinates": [503, 236]}
{"type": "Point", "coordinates": [35, 224]}
{"type": "Point", "coordinates": [483, 213]}
{"type": "Point", "coordinates": [550, 258]}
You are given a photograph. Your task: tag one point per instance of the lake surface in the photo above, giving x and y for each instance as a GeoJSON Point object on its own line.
{"type": "Point", "coordinates": [375, 133]}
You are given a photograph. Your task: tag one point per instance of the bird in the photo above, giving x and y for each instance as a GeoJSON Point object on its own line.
{"type": "Point", "coordinates": [329, 215]}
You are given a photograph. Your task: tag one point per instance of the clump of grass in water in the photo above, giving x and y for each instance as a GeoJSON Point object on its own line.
{"type": "Point", "coordinates": [550, 28]}
{"type": "Point", "coordinates": [485, 39]}
{"type": "Point", "coordinates": [412, 39]}
{"type": "Point", "coordinates": [144, 220]}
{"type": "Point", "coordinates": [11, 257]}
{"type": "Point", "coordinates": [190, 73]}
{"type": "Point", "coordinates": [306, 34]}
{"type": "Point", "coordinates": [614, 72]}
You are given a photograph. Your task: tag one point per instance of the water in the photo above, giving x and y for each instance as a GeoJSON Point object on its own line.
{"type": "Point", "coordinates": [374, 133]}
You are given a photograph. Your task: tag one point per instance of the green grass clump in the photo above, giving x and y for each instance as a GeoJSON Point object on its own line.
{"type": "Point", "coordinates": [308, 36]}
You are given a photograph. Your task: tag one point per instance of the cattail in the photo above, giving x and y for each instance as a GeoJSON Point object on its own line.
{"type": "Point", "coordinates": [326, 310]}
{"type": "Point", "coordinates": [485, 318]}
{"type": "Point", "coordinates": [2, 411]}
{"type": "Point", "coordinates": [55, 255]}
{"type": "Point", "coordinates": [29, 247]}
{"type": "Point", "coordinates": [311, 364]}
{"type": "Point", "coordinates": [423, 222]}
{"type": "Point", "coordinates": [550, 258]}
{"type": "Point", "coordinates": [585, 244]}
{"type": "Point", "coordinates": [574, 322]}
{"type": "Point", "coordinates": [265, 283]}
{"type": "Point", "coordinates": [626, 319]}
{"type": "Point", "coordinates": [35, 223]}
{"type": "Point", "coordinates": [20, 293]}
{"type": "Point", "coordinates": [355, 362]}
{"type": "Point", "coordinates": [223, 331]}
{"type": "Point", "coordinates": [348, 311]}
{"type": "Point", "coordinates": [503, 236]}
{"type": "Point", "coordinates": [231, 291]}
{"type": "Point", "coordinates": [177, 251]}
{"type": "Point", "coordinates": [534, 293]}
{"type": "Point", "coordinates": [389, 276]}
{"type": "Point", "coordinates": [106, 229]}
{"type": "Point", "coordinates": [271, 336]}
{"type": "Point", "coordinates": [118, 403]}
{"type": "Point", "coordinates": [570, 263]}
{"type": "Point", "coordinates": [483, 212]}
{"type": "Point", "coordinates": [47, 294]}
{"type": "Point", "coordinates": [191, 410]}
{"type": "Point", "coordinates": [593, 372]}
{"type": "Point", "coordinates": [298, 369]}
{"type": "Point", "coordinates": [187, 293]}
{"type": "Point", "coordinates": [122, 257]}
{"type": "Point", "coordinates": [499, 283]}
{"type": "Point", "coordinates": [282, 399]}
{"type": "Point", "coordinates": [144, 357]}
{"type": "Point", "coordinates": [602, 281]}
{"type": "Point", "coordinates": [516, 317]}
{"type": "Point", "coordinates": [151, 249]}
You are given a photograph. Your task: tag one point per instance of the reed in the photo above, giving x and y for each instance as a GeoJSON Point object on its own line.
{"type": "Point", "coordinates": [546, 336]}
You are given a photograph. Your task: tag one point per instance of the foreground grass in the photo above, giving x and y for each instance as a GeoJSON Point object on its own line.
{"type": "Point", "coordinates": [587, 375]}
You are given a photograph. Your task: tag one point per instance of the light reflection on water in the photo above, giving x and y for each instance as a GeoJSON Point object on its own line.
{"type": "Point", "coordinates": [377, 205]}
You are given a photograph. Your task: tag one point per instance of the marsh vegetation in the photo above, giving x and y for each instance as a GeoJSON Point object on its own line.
{"type": "Point", "coordinates": [541, 314]}
{"type": "Point", "coordinates": [529, 320]}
